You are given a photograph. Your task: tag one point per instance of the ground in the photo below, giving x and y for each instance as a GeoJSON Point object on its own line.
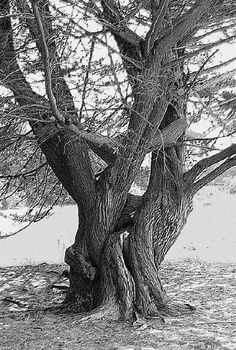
{"type": "Point", "coordinates": [209, 287]}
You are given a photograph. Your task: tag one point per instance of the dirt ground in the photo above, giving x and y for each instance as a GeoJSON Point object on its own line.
{"type": "Point", "coordinates": [209, 287]}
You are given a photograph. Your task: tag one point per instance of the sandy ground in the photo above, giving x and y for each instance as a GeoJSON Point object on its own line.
{"type": "Point", "coordinates": [209, 235]}
{"type": "Point", "coordinates": [210, 232]}
{"type": "Point", "coordinates": [209, 287]}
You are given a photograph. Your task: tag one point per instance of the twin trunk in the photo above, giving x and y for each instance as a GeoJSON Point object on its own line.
{"type": "Point", "coordinates": [114, 268]}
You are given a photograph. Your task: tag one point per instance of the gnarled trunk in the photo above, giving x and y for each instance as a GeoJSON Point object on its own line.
{"type": "Point", "coordinates": [115, 268]}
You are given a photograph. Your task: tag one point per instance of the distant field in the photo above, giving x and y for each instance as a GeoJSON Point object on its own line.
{"type": "Point", "coordinates": [209, 235]}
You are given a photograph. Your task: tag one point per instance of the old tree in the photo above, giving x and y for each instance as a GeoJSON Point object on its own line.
{"type": "Point", "coordinates": [98, 85]}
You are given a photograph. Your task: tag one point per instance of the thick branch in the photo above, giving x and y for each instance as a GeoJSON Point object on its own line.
{"type": "Point", "coordinates": [162, 139]}
{"type": "Point", "coordinates": [169, 135]}
{"type": "Point", "coordinates": [229, 163]}
{"type": "Point", "coordinates": [188, 23]}
{"type": "Point", "coordinates": [117, 24]}
{"type": "Point", "coordinates": [66, 155]}
{"type": "Point", "coordinates": [203, 164]}
{"type": "Point", "coordinates": [127, 41]}
{"type": "Point", "coordinates": [104, 152]}
{"type": "Point", "coordinates": [158, 13]}
{"type": "Point", "coordinates": [94, 139]}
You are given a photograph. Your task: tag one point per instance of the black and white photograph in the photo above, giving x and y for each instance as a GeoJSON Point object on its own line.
{"type": "Point", "coordinates": [117, 174]}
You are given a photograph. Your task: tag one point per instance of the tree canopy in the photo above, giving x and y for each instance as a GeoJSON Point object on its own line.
{"type": "Point", "coordinates": [93, 50]}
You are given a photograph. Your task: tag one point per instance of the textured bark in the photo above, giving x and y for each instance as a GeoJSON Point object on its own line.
{"type": "Point", "coordinates": [121, 276]}
{"type": "Point", "coordinates": [117, 269]}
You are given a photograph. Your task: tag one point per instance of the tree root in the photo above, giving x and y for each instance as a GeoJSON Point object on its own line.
{"type": "Point", "coordinates": [103, 312]}
{"type": "Point", "coordinates": [14, 301]}
{"type": "Point", "coordinates": [177, 309]}
{"type": "Point", "coordinates": [61, 287]}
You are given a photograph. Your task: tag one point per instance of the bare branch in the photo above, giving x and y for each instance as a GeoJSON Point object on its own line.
{"type": "Point", "coordinates": [201, 68]}
{"type": "Point", "coordinates": [187, 24]}
{"type": "Point", "coordinates": [47, 65]}
{"type": "Point", "coordinates": [229, 163]}
{"type": "Point", "coordinates": [86, 79]}
{"type": "Point", "coordinates": [213, 31]}
{"type": "Point", "coordinates": [159, 10]}
{"type": "Point", "coordinates": [203, 164]}
{"type": "Point", "coordinates": [24, 174]}
{"type": "Point", "coordinates": [139, 6]}
{"type": "Point", "coordinates": [203, 48]}
{"type": "Point", "coordinates": [116, 23]}
{"type": "Point", "coordinates": [61, 91]}
{"type": "Point", "coordinates": [115, 76]}
{"type": "Point", "coordinates": [169, 135]}
{"type": "Point", "coordinates": [162, 139]}
{"type": "Point", "coordinates": [230, 75]}
{"type": "Point", "coordinates": [213, 68]}
{"type": "Point", "coordinates": [92, 137]}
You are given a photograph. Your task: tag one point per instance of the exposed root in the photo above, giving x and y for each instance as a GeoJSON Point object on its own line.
{"type": "Point", "coordinates": [177, 309]}
{"type": "Point", "coordinates": [102, 312]}
{"type": "Point", "coordinates": [14, 301]}
{"type": "Point", "coordinates": [61, 287]}
{"type": "Point", "coordinates": [65, 308]}
{"type": "Point", "coordinates": [142, 321]}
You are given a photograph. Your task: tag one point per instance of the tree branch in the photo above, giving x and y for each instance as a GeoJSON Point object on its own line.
{"type": "Point", "coordinates": [229, 163]}
{"type": "Point", "coordinates": [218, 29]}
{"type": "Point", "coordinates": [127, 41]}
{"type": "Point", "coordinates": [86, 79]}
{"type": "Point", "coordinates": [163, 139]}
{"type": "Point", "coordinates": [61, 91]}
{"type": "Point", "coordinates": [169, 135]}
{"type": "Point", "coordinates": [216, 80]}
{"type": "Point", "coordinates": [117, 24]}
{"type": "Point", "coordinates": [158, 12]}
{"type": "Point", "coordinates": [65, 154]}
{"type": "Point", "coordinates": [203, 48]}
{"type": "Point", "coordinates": [47, 65]}
{"type": "Point", "coordinates": [24, 174]}
{"type": "Point", "coordinates": [203, 164]}
{"type": "Point", "coordinates": [187, 24]}
{"type": "Point", "coordinates": [212, 68]}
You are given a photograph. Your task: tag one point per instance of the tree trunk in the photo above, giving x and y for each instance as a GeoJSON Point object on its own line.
{"type": "Point", "coordinates": [114, 267]}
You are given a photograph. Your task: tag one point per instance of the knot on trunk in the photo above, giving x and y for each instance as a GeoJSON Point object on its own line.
{"type": "Point", "coordinates": [80, 264]}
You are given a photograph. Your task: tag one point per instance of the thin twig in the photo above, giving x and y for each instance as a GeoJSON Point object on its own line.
{"type": "Point", "coordinates": [115, 75]}
{"type": "Point", "coordinates": [201, 68]}
{"type": "Point", "coordinates": [86, 79]}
